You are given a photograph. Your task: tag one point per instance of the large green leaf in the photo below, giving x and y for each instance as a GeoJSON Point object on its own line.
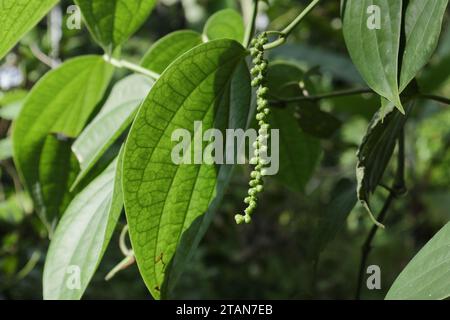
{"type": "Point", "coordinates": [17, 17]}
{"type": "Point", "coordinates": [55, 111]}
{"type": "Point", "coordinates": [299, 152]}
{"type": "Point", "coordinates": [225, 24]}
{"type": "Point", "coordinates": [82, 236]}
{"type": "Point", "coordinates": [426, 276]}
{"type": "Point", "coordinates": [423, 24]}
{"type": "Point", "coordinates": [169, 48]}
{"type": "Point", "coordinates": [375, 52]}
{"type": "Point", "coordinates": [163, 199]}
{"type": "Point", "coordinates": [115, 116]}
{"type": "Point", "coordinates": [112, 22]}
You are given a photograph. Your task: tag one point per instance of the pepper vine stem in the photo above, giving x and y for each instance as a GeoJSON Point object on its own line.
{"type": "Point", "coordinates": [128, 253]}
{"type": "Point", "coordinates": [131, 66]}
{"type": "Point", "coordinates": [280, 102]}
{"type": "Point", "coordinates": [343, 93]}
{"type": "Point", "coordinates": [398, 189]}
{"type": "Point", "coordinates": [435, 98]}
{"type": "Point", "coordinates": [288, 30]}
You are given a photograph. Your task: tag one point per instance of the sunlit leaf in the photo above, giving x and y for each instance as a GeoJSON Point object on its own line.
{"type": "Point", "coordinates": [170, 47]}
{"type": "Point", "coordinates": [163, 199]}
{"type": "Point", "coordinates": [17, 17]}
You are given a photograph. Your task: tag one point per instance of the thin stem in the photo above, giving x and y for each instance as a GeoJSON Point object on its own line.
{"type": "Point", "coordinates": [367, 247]}
{"type": "Point", "coordinates": [122, 265]}
{"type": "Point", "coordinates": [250, 30]}
{"type": "Point", "coordinates": [440, 99]}
{"type": "Point", "coordinates": [288, 30]}
{"type": "Point", "coordinates": [122, 242]}
{"type": "Point", "coordinates": [336, 94]}
{"type": "Point", "coordinates": [131, 66]}
{"type": "Point", "coordinates": [397, 190]}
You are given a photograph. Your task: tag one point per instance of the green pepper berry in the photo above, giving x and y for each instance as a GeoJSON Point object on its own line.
{"type": "Point", "coordinates": [239, 219]}
{"type": "Point", "coordinates": [252, 192]}
{"type": "Point", "coordinates": [247, 219]}
{"type": "Point", "coordinates": [258, 59]}
{"type": "Point", "coordinates": [260, 116]}
{"type": "Point", "coordinates": [254, 52]}
{"type": "Point", "coordinates": [262, 91]}
{"type": "Point", "coordinates": [255, 175]}
{"type": "Point", "coordinates": [255, 71]}
{"type": "Point", "coordinates": [263, 66]}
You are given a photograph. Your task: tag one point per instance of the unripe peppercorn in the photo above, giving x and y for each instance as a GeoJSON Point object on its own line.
{"type": "Point", "coordinates": [239, 219]}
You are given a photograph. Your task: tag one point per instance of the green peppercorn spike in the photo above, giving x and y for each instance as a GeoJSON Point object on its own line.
{"type": "Point", "coordinates": [258, 72]}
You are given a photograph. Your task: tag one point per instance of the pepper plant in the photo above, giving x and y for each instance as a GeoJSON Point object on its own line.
{"type": "Point", "coordinates": [88, 149]}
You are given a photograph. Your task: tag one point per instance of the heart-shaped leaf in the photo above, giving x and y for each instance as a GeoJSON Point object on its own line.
{"type": "Point", "coordinates": [163, 199]}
